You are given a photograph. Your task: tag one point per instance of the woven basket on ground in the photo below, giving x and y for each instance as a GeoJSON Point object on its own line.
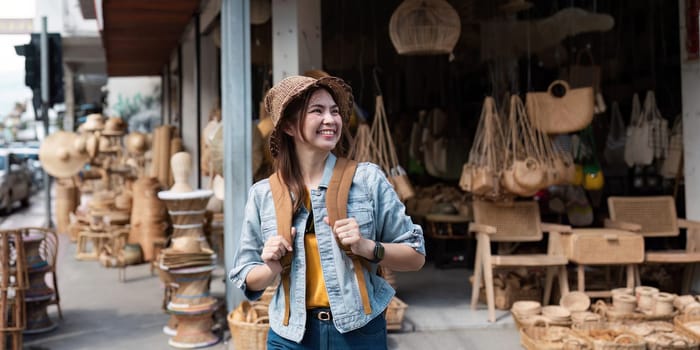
{"type": "Point", "coordinates": [395, 313]}
{"type": "Point", "coordinates": [249, 325]}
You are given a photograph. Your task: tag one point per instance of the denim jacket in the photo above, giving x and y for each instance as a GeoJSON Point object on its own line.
{"type": "Point", "coordinates": [381, 217]}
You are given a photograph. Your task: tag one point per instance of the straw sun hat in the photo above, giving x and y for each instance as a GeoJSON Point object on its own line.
{"type": "Point", "coordinates": [290, 88]}
{"type": "Point", "coordinates": [59, 154]}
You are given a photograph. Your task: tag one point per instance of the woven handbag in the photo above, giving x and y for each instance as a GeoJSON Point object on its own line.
{"type": "Point", "coordinates": [572, 111]}
{"type": "Point", "coordinates": [529, 162]}
{"type": "Point", "coordinates": [486, 155]}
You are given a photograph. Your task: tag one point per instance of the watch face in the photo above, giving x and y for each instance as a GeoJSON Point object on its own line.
{"type": "Point", "coordinates": [378, 251]}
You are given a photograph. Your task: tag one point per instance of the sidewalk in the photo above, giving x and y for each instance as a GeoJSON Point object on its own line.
{"type": "Point", "coordinates": [102, 313]}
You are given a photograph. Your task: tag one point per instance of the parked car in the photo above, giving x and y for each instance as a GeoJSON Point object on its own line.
{"type": "Point", "coordinates": [28, 151]}
{"type": "Point", "coordinates": [15, 181]}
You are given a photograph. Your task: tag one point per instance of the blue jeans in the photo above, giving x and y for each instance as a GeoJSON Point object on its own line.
{"type": "Point", "coordinates": [322, 335]}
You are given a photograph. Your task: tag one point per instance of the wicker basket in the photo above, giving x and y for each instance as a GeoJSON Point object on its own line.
{"type": "Point", "coordinates": [395, 313]}
{"type": "Point", "coordinates": [249, 325]}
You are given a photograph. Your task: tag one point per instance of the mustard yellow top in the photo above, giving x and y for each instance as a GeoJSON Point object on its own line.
{"type": "Point", "coordinates": [316, 294]}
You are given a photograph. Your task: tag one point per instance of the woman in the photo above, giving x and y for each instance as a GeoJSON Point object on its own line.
{"type": "Point", "coordinates": [330, 296]}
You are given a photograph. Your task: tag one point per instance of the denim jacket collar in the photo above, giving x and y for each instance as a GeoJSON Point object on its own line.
{"type": "Point", "coordinates": [327, 171]}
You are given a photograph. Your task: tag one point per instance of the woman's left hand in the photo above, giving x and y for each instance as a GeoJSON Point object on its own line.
{"type": "Point", "coordinates": [348, 233]}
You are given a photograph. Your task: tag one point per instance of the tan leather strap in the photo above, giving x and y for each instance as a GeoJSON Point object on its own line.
{"type": "Point", "coordinates": [337, 206]}
{"type": "Point", "coordinates": [283, 211]}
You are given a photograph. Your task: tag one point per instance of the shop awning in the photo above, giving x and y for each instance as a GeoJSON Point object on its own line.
{"type": "Point", "coordinates": [139, 36]}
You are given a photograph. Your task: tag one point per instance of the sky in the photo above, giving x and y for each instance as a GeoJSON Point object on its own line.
{"type": "Point", "coordinates": [12, 87]}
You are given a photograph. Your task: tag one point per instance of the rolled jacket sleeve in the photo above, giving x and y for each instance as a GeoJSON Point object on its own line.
{"type": "Point", "coordinates": [249, 248]}
{"type": "Point", "coordinates": [392, 223]}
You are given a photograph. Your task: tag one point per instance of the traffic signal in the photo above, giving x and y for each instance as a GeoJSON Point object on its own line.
{"type": "Point", "coordinates": [32, 67]}
{"type": "Point", "coordinates": [32, 63]}
{"type": "Point", "coordinates": [55, 69]}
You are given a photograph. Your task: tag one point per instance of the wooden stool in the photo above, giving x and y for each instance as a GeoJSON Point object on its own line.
{"type": "Point", "coordinates": [600, 247]}
{"type": "Point", "coordinates": [113, 238]}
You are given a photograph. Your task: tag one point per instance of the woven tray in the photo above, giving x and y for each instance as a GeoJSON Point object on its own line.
{"type": "Point", "coordinates": [524, 322]}
{"type": "Point", "coordinates": [609, 339]}
{"type": "Point", "coordinates": [542, 336]}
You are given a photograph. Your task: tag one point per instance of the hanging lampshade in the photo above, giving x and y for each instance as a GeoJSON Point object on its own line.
{"type": "Point", "coordinates": [424, 27]}
{"type": "Point", "coordinates": [260, 11]}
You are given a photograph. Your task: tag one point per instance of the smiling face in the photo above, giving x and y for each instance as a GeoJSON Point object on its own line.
{"type": "Point", "coordinates": [321, 124]}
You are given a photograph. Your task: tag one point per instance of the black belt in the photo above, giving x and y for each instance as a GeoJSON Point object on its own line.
{"type": "Point", "coordinates": [322, 314]}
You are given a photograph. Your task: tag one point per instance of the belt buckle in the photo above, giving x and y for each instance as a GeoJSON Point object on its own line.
{"type": "Point", "coordinates": [324, 316]}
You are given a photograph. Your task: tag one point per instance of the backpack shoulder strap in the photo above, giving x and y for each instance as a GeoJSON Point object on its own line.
{"type": "Point", "coordinates": [339, 189]}
{"type": "Point", "coordinates": [337, 206]}
{"type": "Point", "coordinates": [283, 213]}
{"type": "Point", "coordinates": [283, 206]}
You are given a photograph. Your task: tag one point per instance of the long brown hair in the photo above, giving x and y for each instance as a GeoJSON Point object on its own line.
{"type": "Point", "coordinates": [285, 160]}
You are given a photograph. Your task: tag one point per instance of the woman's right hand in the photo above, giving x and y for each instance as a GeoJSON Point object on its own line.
{"type": "Point", "coordinates": [275, 248]}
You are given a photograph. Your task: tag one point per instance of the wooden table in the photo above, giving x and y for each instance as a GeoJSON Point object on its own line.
{"type": "Point", "coordinates": [602, 247]}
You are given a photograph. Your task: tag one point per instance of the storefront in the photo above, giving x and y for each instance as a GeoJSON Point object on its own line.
{"type": "Point", "coordinates": [211, 52]}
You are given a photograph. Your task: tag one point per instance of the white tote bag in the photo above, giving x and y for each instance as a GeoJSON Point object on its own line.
{"type": "Point", "coordinates": [639, 148]}
{"type": "Point", "coordinates": [636, 114]}
{"type": "Point", "coordinates": [669, 168]}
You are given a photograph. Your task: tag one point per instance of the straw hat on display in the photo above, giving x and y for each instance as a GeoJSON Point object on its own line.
{"type": "Point", "coordinates": [59, 155]}
{"type": "Point", "coordinates": [290, 88]}
{"type": "Point", "coordinates": [94, 122]}
{"type": "Point", "coordinates": [115, 126]}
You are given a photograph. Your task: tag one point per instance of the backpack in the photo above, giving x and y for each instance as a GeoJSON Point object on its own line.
{"type": "Point", "coordinates": [336, 204]}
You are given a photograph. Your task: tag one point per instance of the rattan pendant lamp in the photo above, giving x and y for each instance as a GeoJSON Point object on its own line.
{"type": "Point", "coordinates": [260, 11]}
{"type": "Point", "coordinates": [424, 27]}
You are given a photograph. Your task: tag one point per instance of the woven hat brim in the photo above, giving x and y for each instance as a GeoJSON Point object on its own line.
{"type": "Point", "coordinates": [342, 93]}
{"type": "Point", "coordinates": [50, 150]}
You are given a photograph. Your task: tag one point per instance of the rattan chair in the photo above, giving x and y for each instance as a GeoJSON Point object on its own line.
{"type": "Point", "coordinates": [13, 283]}
{"type": "Point", "coordinates": [49, 251]}
{"type": "Point", "coordinates": [514, 223]}
{"type": "Point", "coordinates": [655, 216]}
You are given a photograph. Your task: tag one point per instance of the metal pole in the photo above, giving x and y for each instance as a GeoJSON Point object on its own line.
{"type": "Point", "coordinates": [45, 113]}
{"type": "Point", "coordinates": [198, 89]}
{"type": "Point", "coordinates": [236, 111]}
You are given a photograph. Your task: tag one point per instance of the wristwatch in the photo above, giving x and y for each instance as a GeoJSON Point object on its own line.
{"type": "Point", "coordinates": [378, 253]}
